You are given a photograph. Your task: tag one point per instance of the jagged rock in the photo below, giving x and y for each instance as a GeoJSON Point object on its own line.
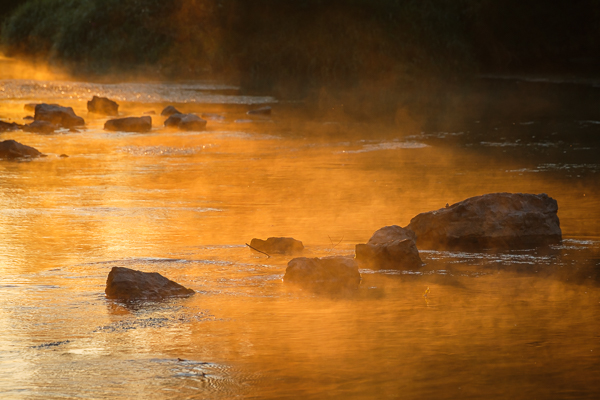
{"type": "Point", "coordinates": [129, 124]}
{"type": "Point", "coordinates": [260, 111]}
{"type": "Point", "coordinates": [9, 126]}
{"type": "Point", "coordinates": [391, 247]}
{"type": "Point", "coordinates": [40, 127]}
{"type": "Point", "coordinates": [169, 110]}
{"type": "Point", "coordinates": [329, 273]}
{"type": "Point", "coordinates": [103, 105]}
{"type": "Point", "coordinates": [496, 221]}
{"type": "Point", "coordinates": [186, 122]}
{"type": "Point", "coordinates": [57, 115]}
{"type": "Point", "coordinates": [128, 284]}
{"type": "Point", "coordinates": [278, 245]}
{"type": "Point", "coordinates": [13, 149]}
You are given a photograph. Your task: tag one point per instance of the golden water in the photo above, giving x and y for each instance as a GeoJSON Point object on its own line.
{"type": "Point", "coordinates": [519, 325]}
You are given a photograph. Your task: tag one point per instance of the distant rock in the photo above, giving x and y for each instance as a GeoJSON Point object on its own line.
{"type": "Point", "coordinates": [57, 115]}
{"type": "Point", "coordinates": [391, 247]}
{"type": "Point", "coordinates": [9, 126]}
{"type": "Point", "coordinates": [186, 122]}
{"type": "Point", "coordinates": [491, 221]}
{"type": "Point", "coordinates": [169, 110]}
{"type": "Point", "coordinates": [103, 105]}
{"type": "Point", "coordinates": [327, 273]}
{"type": "Point", "coordinates": [40, 127]}
{"type": "Point", "coordinates": [128, 284]}
{"type": "Point", "coordinates": [278, 245]}
{"type": "Point", "coordinates": [260, 111]}
{"type": "Point", "coordinates": [12, 149]}
{"type": "Point", "coordinates": [129, 124]}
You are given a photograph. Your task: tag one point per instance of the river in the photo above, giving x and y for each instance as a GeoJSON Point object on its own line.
{"type": "Point", "coordinates": [519, 324]}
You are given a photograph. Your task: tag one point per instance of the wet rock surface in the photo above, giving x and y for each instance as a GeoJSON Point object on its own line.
{"type": "Point", "coordinates": [12, 149]}
{"type": "Point", "coordinates": [103, 105]}
{"type": "Point", "coordinates": [186, 122]}
{"type": "Point", "coordinates": [129, 124]}
{"type": "Point", "coordinates": [491, 221]}
{"type": "Point", "coordinates": [278, 245]}
{"type": "Point", "coordinates": [390, 247]}
{"type": "Point", "coordinates": [328, 273]}
{"type": "Point", "coordinates": [128, 284]}
{"type": "Point", "coordinates": [57, 115]}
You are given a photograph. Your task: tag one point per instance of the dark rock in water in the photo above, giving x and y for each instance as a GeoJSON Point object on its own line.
{"type": "Point", "coordinates": [329, 273]}
{"type": "Point", "coordinates": [169, 110]}
{"type": "Point", "coordinates": [391, 247]}
{"type": "Point", "coordinates": [496, 221]}
{"type": "Point", "coordinates": [278, 245]}
{"type": "Point", "coordinates": [103, 105]}
{"type": "Point", "coordinates": [186, 122]}
{"type": "Point", "coordinates": [129, 124]}
{"type": "Point", "coordinates": [64, 156]}
{"type": "Point", "coordinates": [129, 284]}
{"type": "Point", "coordinates": [57, 115]}
{"type": "Point", "coordinates": [40, 127]}
{"type": "Point", "coordinates": [260, 111]}
{"type": "Point", "coordinates": [13, 149]}
{"type": "Point", "coordinates": [9, 126]}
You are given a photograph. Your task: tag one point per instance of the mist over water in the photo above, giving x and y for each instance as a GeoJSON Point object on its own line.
{"type": "Point", "coordinates": [514, 324]}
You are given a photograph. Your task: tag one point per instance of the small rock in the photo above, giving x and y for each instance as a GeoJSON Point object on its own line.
{"type": "Point", "coordinates": [103, 105]}
{"type": "Point", "coordinates": [129, 284]}
{"type": "Point", "coordinates": [278, 245]}
{"type": "Point", "coordinates": [12, 149]}
{"type": "Point", "coordinates": [186, 122]}
{"type": "Point", "coordinates": [40, 127]}
{"type": "Point", "coordinates": [129, 124]}
{"type": "Point", "coordinates": [57, 115]}
{"type": "Point", "coordinates": [329, 273]}
{"type": "Point", "coordinates": [260, 111]}
{"type": "Point", "coordinates": [64, 156]}
{"type": "Point", "coordinates": [169, 110]}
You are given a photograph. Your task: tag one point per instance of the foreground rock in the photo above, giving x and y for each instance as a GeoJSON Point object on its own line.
{"type": "Point", "coordinates": [327, 273]}
{"type": "Point", "coordinates": [12, 149]}
{"type": "Point", "coordinates": [103, 105]}
{"type": "Point", "coordinates": [40, 127]}
{"type": "Point", "coordinates": [9, 126]}
{"type": "Point", "coordinates": [57, 115]}
{"type": "Point", "coordinates": [129, 284]}
{"type": "Point", "coordinates": [129, 124]}
{"type": "Point", "coordinates": [278, 245]}
{"type": "Point", "coordinates": [260, 111]}
{"type": "Point", "coordinates": [391, 247]}
{"type": "Point", "coordinates": [491, 221]}
{"type": "Point", "coordinates": [186, 122]}
{"type": "Point", "coordinates": [169, 110]}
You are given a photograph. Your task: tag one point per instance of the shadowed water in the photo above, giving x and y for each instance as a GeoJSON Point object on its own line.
{"type": "Point", "coordinates": [515, 324]}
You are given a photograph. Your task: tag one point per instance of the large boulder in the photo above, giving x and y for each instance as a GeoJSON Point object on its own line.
{"type": "Point", "coordinates": [57, 115]}
{"type": "Point", "coordinates": [129, 124]}
{"type": "Point", "coordinates": [491, 221]}
{"type": "Point", "coordinates": [391, 247]}
{"type": "Point", "coordinates": [169, 110]}
{"type": "Point", "coordinates": [328, 273]}
{"type": "Point", "coordinates": [278, 245]}
{"type": "Point", "coordinates": [13, 149]}
{"type": "Point", "coordinates": [103, 105]}
{"type": "Point", "coordinates": [186, 122]}
{"type": "Point", "coordinates": [128, 284]}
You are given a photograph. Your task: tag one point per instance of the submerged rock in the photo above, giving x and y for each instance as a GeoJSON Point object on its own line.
{"type": "Point", "coordinates": [129, 124]}
{"type": "Point", "coordinates": [40, 127]}
{"type": "Point", "coordinates": [329, 273]}
{"type": "Point", "coordinates": [13, 149]}
{"type": "Point", "coordinates": [260, 111]}
{"type": "Point", "coordinates": [391, 247]}
{"type": "Point", "coordinates": [128, 284]}
{"type": "Point", "coordinates": [57, 115]}
{"type": "Point", "coordinates": [9, 126]}
{"type": "Point", "coordinates": [496, 221]}
{"type": "Point", "coordinates": [278, 245]}
{"type": "Point", "coordinates": [169, 110]}
{"type": "Point", "coordinates": [186, 122]}
{"type": "Point", "coordinates": [103, 105]}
